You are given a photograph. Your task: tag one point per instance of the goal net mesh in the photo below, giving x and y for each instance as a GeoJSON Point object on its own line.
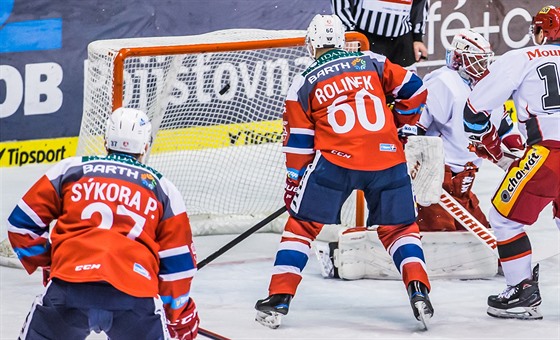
{"type": "Point", "coordinates": [216, 102]}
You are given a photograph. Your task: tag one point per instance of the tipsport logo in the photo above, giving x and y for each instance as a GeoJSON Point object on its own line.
{"type": "Point", "coordinates": [19, 156]}
{"type": "Point", "coordinates": [28, 35]}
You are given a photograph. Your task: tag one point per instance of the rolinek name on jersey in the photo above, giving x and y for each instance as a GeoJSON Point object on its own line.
{"type": "Point", "coordinates": [342, 85]}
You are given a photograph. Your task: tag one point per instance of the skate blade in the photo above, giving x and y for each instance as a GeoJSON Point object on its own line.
{"type": "Point", "coordinates": [521, 313]}
{"type": "Point", "coordinates": [269, 319]}
{"type": "Point", "coordinates": [423, 317]}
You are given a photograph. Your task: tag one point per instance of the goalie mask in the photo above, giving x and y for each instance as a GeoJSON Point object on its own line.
{"type": "Point", "coordinates": [470, 54]}
{"type": "Point", "coordinates": [547, 21]}
{"type": "Point", "coordinates": [324, 31]}
{"type": "Point", "coordinates": [128, 131]}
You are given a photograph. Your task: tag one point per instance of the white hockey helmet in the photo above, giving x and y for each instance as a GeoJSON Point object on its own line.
{"type": "Point", "coordinates": [324, 31]}
{"type": "Point", "coordinates": [128, 131]}
{"type": "Point", "coordinates": [470, 54]}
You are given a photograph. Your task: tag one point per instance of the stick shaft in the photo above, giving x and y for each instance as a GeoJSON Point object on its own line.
{"type": "Point", "coordinates": [241, 237]}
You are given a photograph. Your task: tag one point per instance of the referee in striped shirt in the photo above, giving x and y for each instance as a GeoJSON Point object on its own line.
{"type": "Point", "coordinates": [394, 28]}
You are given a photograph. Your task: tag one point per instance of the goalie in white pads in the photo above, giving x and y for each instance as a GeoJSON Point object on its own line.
{"type": "Point", "coordinates": [448, 88]}
{"type": "Point", "coordinates": [341, 136]}
{"type": "Point", "coordinates": [530, 76]}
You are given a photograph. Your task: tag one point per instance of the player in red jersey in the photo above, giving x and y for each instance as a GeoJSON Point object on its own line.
{"type": "Point", "coordinates": [531, 76]}
{"type": "Point", "coordinates": [120, 252]}
{"type": "Point", "coordinates": [339, 135]}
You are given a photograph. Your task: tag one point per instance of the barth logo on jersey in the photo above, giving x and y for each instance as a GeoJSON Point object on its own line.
{"type": "Point", "coordinates": [142, 271]}
{"type": "Point", "coordinates": [387, 147]}
{"type": "Point", "coordinates": [110, 169]}
{"type": "Point", "coordinates": [148, 180]}
{"type": "Point", "coordinates": [359, 64]}
{"type": "Point", "coordinates": [517, 177]}
{"type": "Point", "coordinates": [325, 71]}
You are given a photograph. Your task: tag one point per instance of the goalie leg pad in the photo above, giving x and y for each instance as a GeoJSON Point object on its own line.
{"type": "Point", "coordinates": [355, 251]}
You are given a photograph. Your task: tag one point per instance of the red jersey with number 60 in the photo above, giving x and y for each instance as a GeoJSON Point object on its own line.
{"type": "Point", "coordinates": [117, 221]}
{"type": "Point", "coordinates": [338, 106]}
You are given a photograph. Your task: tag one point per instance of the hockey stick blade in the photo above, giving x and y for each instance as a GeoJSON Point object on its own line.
{"type": "Point", "coordinates": [241, 237]}
{"type": "Point", "coordinates": [211, 335]}
{"type": "Point", "coordinates": [464, 217]}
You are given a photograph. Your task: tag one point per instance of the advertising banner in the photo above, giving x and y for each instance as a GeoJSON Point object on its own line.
{"type": "Point", "coordinates": [43, 50]}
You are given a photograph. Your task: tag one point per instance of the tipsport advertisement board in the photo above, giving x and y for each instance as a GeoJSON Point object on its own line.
{"type": "Point", "coordinates": [43, 50]}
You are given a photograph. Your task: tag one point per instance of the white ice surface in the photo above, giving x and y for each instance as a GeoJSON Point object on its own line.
{"type": "Point", "coordinates": [226, 289]}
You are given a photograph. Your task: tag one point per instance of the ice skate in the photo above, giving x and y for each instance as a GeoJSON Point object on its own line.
{"type": "Point", "coordinates": [521, 301]}
{"type": "Point", "coordinates": [420, 302]}
{"type": "Point", "coordinates": [271, 309]}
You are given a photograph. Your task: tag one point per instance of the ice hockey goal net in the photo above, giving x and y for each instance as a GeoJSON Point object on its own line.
{"type": "Point", "coordinates": [216, 103]}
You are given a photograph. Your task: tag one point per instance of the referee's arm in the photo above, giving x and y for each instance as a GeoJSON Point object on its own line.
{"type": "Point", "coordinates": [345, 10]}
{"type": "Point", "coordinates": [418, 17]}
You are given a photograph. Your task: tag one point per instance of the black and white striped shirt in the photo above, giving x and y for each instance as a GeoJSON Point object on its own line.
{"type": "Point", "coordinates": [388, 18]}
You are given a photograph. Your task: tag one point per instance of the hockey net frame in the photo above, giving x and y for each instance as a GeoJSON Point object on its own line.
{"type": "Point", "coordinates": [114, 75]}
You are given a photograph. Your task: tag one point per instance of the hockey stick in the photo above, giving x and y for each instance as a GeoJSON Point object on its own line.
{"type": "Point", "coordinates": [468, 221]}
{"type": "Point", "coordinates": [211, 335]}
{"type": "Point", "coordinates": [241, 237]}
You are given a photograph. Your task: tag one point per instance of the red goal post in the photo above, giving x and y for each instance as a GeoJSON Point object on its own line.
{"type": "Point", "coordinates": [216, 101]}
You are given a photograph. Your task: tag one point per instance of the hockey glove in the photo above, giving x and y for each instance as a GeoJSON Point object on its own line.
{"type": "Point", "coordinates": [290, 191]}
{"type": "Point", "coordinates": [186, 326]}
{"type": "Point", "coordinates": [487, 145]}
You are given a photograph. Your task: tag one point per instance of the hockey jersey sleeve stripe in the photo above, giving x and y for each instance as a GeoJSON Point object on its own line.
{"type": "Point", "coordinates": [21, 222]}
{"type": "Point", "coordinates": [299, 151]}
{"type": "Point", "coordinates": [176, 303]}
{"type": "Point", "coordinates": [474, 121]}
{"type": "Point", "coordinates": [32, 251]}
{"type": "Point", "coordinates": [416, 110]}
{"type": "Point", "coordinates": [301, 141]}
{"type": "Point", "coordinates": [477, 128]}
{"type": "Point", "coordinates": [175, 264]}
{"type": "Point", "coordinates": [178, 276]}
{"type": "Point", "coordinates": [301, 131]}
{"type": "Point", "coordinates": [410, 86]}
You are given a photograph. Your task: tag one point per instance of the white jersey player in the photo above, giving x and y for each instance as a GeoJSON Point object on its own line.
{"type": "Point", "coordinates": [448, 89]}
{"type": "Point", "coordinates": [531, 76]}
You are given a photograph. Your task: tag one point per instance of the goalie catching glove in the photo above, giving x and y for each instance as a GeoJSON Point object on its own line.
{"type": "Point", "coordinates": [186, 326]}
